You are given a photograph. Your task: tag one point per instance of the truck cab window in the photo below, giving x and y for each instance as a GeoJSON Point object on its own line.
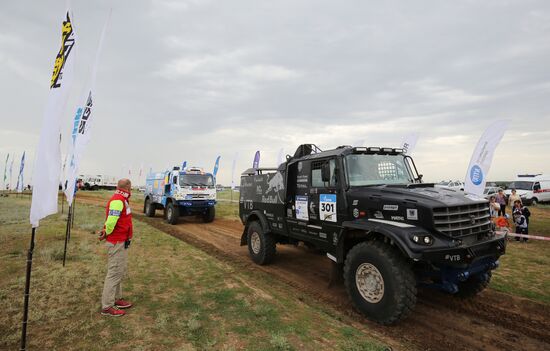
{"type": "Point", "coordinates": [364, 170]}
{"type": "Point", "coordinates": [316, 174]}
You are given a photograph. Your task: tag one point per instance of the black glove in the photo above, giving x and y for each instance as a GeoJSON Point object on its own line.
{"type": "Point", "coordinates": [127, 243]}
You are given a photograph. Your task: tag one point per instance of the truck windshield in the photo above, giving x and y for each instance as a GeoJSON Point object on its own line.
{"type": "Point", "coordinates": [521, 185]}
{"type": "Point", "coordinates": [365, 170]}
{"type": "Point", "coordinates": [196, 180]}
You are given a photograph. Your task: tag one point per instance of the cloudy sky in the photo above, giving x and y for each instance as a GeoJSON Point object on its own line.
{"type": "Point", "coordinates": [193, 79]}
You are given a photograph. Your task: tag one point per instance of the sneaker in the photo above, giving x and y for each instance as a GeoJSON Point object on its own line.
{"type": "Point", "coordinates": [120, 303]}
{"type": "Point", "coordinates": [112, 311]}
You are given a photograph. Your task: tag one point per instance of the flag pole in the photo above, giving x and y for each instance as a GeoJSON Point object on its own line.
{"type": "Point", "coordinates": [67, 233]}
{"type": "Point", "coordinates": [27, 293]}
{"type": "Point", "coordinates": [72, 213]}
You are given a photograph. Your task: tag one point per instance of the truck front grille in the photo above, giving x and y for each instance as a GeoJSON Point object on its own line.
{"type": "Point", "coordinates": [459, 221]}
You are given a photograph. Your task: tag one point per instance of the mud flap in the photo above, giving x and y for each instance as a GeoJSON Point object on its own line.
{"type": "Point", "coordinates": [336, 274]}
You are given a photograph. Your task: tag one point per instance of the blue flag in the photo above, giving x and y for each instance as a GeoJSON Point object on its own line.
{"type": "Point", "coordinates": [183, 165]}
{"type": "Point", "coordinates": [216, 166]}
{"type": "Point", "coordinates": [6, 169]}
{"type": "Point", "coordinates": [20, 185]}
{"type": "Point", "coordinates": [256, 163]}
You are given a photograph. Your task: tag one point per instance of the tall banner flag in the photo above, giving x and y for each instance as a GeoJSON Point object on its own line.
{"type": "Point", "coordinates": [476, 176]}
{"type": "Point", "coordinates": [10, 186]}
{"type": "Point", "coordinates": [409, 143]}
{"type": "Point", "coordinates": [48, 154]}
{"type": "Point", "coordinates": [20, 180]}
{"type": "Point", "coordinates": [280, 156]}
{"type": "Point", "coordinates": [83, 120]}
{"type": "Point", "coordinates": [216, 167]}
{"type": "Point", "coordinates": [183, 165]}
{"type": "Point", "coordinates": [6, 170]}
{"type": "Point", "coordinates": [233, 168]}
{"type": "Point", "coordinates": [256, 163]}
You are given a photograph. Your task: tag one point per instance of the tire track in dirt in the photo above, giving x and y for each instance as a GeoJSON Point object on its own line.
{"type": "Point", "coordinates": [492, 321]}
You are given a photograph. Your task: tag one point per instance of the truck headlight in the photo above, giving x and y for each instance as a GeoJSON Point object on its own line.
{"type": "Point", "coordinates": [422, 239]}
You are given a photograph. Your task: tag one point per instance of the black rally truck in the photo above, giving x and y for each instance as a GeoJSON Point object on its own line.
{"type": "Point", "coordinates": [386, 230]}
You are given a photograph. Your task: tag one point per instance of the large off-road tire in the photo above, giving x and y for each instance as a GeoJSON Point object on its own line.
{"type": "Point", "coordinates": [172, 213]}
{"type": "Point", "coordinates": [380, 282]}
{"type": "Point", "coordinates": [473, 285]}
{"type": "Point", "coordinates": [534, 201]}
{"type": "Point", "coordinates": [149, 208]}
{"type": "Point", "coordinates": [261, 245]}
{"type": "Point", "coordinates": [210, 214]}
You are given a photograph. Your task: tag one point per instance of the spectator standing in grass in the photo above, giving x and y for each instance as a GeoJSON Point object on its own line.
{"type": "Point", "coordinates": [501, 200]}
{"type": "Point", "coordinates": [513, 198]}
{"type": "Point", "coordinates": [118, 231]}
{"type": "Point", "coordinates": [494, 207]}
{"type": "Point", "coordinates": [521, 219]}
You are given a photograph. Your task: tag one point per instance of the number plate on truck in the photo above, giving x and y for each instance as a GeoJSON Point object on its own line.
{"type": "Point", "coordinates": [327, 204]}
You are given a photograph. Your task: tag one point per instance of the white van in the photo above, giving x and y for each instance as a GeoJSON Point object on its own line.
{"type": "Point", "coordinates": [532, 188]}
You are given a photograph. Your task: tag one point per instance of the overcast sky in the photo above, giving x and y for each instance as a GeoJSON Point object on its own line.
{"type": "Point", "coordinates": [193, 79]}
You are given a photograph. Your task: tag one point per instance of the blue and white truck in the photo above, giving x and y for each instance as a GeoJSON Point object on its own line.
{"type": "Point", "coordinates": [189, 192]}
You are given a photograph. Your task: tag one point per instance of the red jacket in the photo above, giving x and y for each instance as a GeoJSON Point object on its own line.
{"type": "Point", "coordinates": [118, 217]}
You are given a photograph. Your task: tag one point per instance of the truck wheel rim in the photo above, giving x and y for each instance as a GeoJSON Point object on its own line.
{"type": "Point", "coordinates": [255, 243]}
{"type": "Point", "coordinates": [369, 282]}
{"type": "Point", "coordinates": [169, 212]}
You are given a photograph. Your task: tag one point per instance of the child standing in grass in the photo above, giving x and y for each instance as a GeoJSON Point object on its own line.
{"type": "Point", "coordinates": [522, 224]}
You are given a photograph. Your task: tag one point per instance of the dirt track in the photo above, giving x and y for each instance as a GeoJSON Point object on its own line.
{"type": "Point", "coordinates": [492, 321]}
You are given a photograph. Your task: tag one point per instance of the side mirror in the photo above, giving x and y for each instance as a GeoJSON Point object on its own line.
{"type": "Point", "coordinates": [325, 172]}
{"type": "Point", "coordinates": [175, 180]}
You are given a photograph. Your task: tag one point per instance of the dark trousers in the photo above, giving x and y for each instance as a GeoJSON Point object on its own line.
{"type": "Point", "coordinates": [522, 231]}
{"type": "Point", "coordinates": [502, 210]}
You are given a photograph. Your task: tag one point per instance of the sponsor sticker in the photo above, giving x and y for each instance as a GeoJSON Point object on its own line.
{"type": "Point", "coordinates": [397, 218]}
{"type": "Point", "coordinates": [378, 215]}
{"type": "Point", "coordinates": [327, 210]}
{"type": "Point", "coordinates": [356, 213]}
{"type": "Point", "coordinates": [390, 207]}
{"type": "Point", "coordinates": [301, 207]}
{"type": "Point", "coordinates": [412, 214]}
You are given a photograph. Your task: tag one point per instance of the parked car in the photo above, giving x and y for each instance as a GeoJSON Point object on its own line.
{"type": "Point", "coordinates": [491, 191]}
{"type": "Point", "coordinates": [455, 185]}
{"type": "Point", "coordinates": [532, 188]}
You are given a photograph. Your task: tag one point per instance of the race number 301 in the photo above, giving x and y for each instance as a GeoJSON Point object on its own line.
{"type": "Point", "coordinates": [327, 207]}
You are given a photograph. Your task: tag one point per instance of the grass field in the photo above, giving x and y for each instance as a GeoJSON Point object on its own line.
{"type": "Point", "coordinates": [525, 269]}
{"type": "Point", "coordinates": [185, 299]}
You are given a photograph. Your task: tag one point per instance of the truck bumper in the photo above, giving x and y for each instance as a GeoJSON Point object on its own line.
{"type": "Point", "coordinates": [452, 266]}
{"type": "Point", "coordinates": [190, 208]}
{"type": "Point", "coordinates": [462, 257]}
